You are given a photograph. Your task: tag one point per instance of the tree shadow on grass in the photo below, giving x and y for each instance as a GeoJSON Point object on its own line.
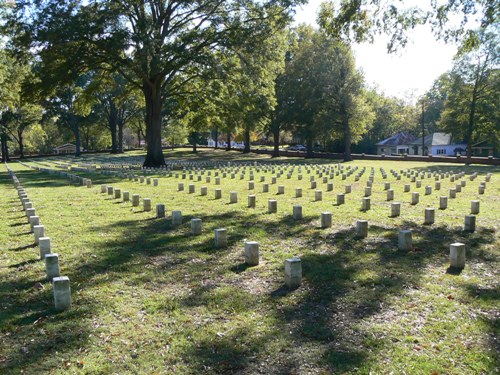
{"type": "Point", "coordinates": [355, 283]}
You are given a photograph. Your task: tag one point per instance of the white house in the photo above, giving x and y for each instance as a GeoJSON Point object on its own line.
{"type": "Point", "coordinates": [397, 144]}
{"type": "Point", "coordinates": [67, 148]}
{"type": "Point", "coordinates": [449, 150]}
{"type": "Point", "coordinates": [435, 144]}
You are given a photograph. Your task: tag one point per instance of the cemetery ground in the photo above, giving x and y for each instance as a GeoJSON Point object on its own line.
{"type": "Point", "coordinates": [150, 297]}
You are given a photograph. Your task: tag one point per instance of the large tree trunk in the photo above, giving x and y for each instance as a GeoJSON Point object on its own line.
{"type": "Point", "coordinates": [194, 139]}
{"type": "Point", "coordinates": [228, 147]}
{"type": "Point", "coordinates": [152, 95]}
{"type": "Point", "coordinates": [347, 134]}
{"type": "Point", "coordinates": [216, 134]}
{"type": "Point", "coordinates": [120, 136]}
{"type": "Point", "coordinates": [309, 146]}
{"type": "Point", "coordinates": [21, 143]}
{"type": "Point", "coordinates": [76, 131]}
{"type": "Point", "coordinates": [112, 123]}
{"type": "Point", "coordinates": [246, 149]}
{"type": "Point", "coordinates": [470, 125]}
{"type": "Point", "coordinates": [5, 148]}
{"type": "Point", "coordinates": [276, 138]}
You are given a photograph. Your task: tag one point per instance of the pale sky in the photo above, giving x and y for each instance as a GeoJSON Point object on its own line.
{"type": "Point", "coordinates": [410, 72]}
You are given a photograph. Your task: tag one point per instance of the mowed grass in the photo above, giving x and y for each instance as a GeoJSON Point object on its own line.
{"type": "Point", "coordinates": [149, 297]}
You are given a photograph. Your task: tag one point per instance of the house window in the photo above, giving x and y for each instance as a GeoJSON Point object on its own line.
{"type": "Point", "coordinates": [441, 151]}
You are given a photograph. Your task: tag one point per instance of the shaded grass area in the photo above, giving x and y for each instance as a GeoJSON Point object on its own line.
{"type": "Point", "coordinates": [149, 296]}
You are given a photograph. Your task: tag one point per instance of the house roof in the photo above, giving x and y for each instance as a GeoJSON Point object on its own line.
{"type": "Point", "coordinates": [483, 144]}
{"type": "Point", "coordinates": [67, 145]}
{"type": "Point", "coordinates": [434, 139]}
{"type": "Point", "coordinates": [402, 138]}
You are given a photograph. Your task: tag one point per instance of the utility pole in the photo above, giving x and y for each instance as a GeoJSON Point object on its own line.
{"type": "Point", "coordinates": [423, 128]}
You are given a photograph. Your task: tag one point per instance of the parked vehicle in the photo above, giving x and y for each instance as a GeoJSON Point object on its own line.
{"type": "Point", "coordinates": [297, 148]}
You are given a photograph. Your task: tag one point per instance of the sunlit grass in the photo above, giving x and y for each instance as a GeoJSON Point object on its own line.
{"type": "Point", "coordinates": [150, 297]}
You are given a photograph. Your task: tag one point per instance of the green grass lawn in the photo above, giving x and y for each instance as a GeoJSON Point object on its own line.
{"type": "Point", "coordinates": [148, 297]}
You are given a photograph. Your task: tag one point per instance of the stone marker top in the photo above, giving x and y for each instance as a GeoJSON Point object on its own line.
{"type": "Point", "coordinates": [293, 260]}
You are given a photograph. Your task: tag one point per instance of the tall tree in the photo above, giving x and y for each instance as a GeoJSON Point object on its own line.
{"type": "Point", "coordinates": [357, 20]}
{"type": "Point", "coordinates": [149, 42]}
{"type": "Point", "coordinates": [325, 91]}
{"type": "Point", "coordinates": [471, 109]}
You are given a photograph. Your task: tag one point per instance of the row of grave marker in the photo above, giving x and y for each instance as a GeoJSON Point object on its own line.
{"type": "Point", "coordinates": [60, 284]}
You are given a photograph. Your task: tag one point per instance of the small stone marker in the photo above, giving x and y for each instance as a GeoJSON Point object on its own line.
{"type": "Point", "coordinates": [362, 228]}
{"type": "Point", "coordinates": [233, 197]}
{"type": "Point", "coordinates": [251, 185]}
{"type": "Point", "coordinates": [155, 182]}
{"type": "Point", "coordinates": [191, 188]}
{"type": "Point", "coordinates": [204, 190]}
{"type": "Point", "coordinates": [470, 223]}
{"type": "Point", "coordinates": [366, 204]}
{"type": "Point", "coordinates": [39, 232]}
{"type": "Point", "coordinates": [407, 188]}
{"type": "Point", "coordinates": [34, 220]}
{"type": "Point", "coordinates": [474, 207]}
{"type": "Point", "coordinates": [251, 201]}
{"type": "Point", "coordinates": [29, 213]}
{"type": "Point", "coordinates": [252, 253]}
{"type": "Point", "coordinates": [443, 203]}
{"type": "Point", "coordinates": [110, 190]}
{"type": "Point", "coordinates": [415, 196]}
{"type": "Point", "coordinates": [428, 190]}
{"type": "Point", "coordinates": [437, 185]}
{"type": "Point", "coordinates": [293, 272]}
{"type": "Point", "coordinates": [160, 211]}
{"type": "Point", "coordinates": [298, 192]}
{"type": "Point", "coordinates": [281, 189]}
{"type": "Point", "coordinates": [453, 193]}
{"type": "Point", "coordinates": [146, 204]}
{"type": "Point", "coordinates": [195, 227]}
{"type": "Point", "coordinates": [326, 219]}
{"type": "Point", "coordinates": [62, 293]}
{"type": "Point", "coordinates": [340, 199]}
{"type": "Point", "coordinates": [390, 194]}
{"type": "Point", "coordinates": [44, 245]}
{"type": "Point", "coordinates": [126, 196]}
{"type": "Point", "coordinates": [297, 212]}
{"type": "Point", "coordinates": [220, 238]}
{"type": "Point", "coordinates": [318, 195]}
{"type": "Point", "coordinates": [395, 209]}
{"type": "Point", "coordinates": [118, 193]}
{"type": "Point", "coordinates": [429, 216]}
{"type": "Point", "coordinates": [218, 193]}
{"type": "Point", "coordinates": [405, 240]}
{"type": "Point", "coordinates": [457, 255]}
{"type": "Point", "coordinates": [348, 189]}
{"type": "Point", "coordinates": [135, 200]}
{"type": "Point", "coordinates": [272, 206]}
{"type": "Point", "coordinates": [368, 191]}
{"type": "Point", "coordinates": [52, 265]}
{"type": "Point", "coordinates": [176, 217]}
{"type": "Point", "coordinates": [313, 184]}
{"type": "Point", "coordinates": [180, 186]}
{"type": "Point", "coordinates": [265, 188]}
